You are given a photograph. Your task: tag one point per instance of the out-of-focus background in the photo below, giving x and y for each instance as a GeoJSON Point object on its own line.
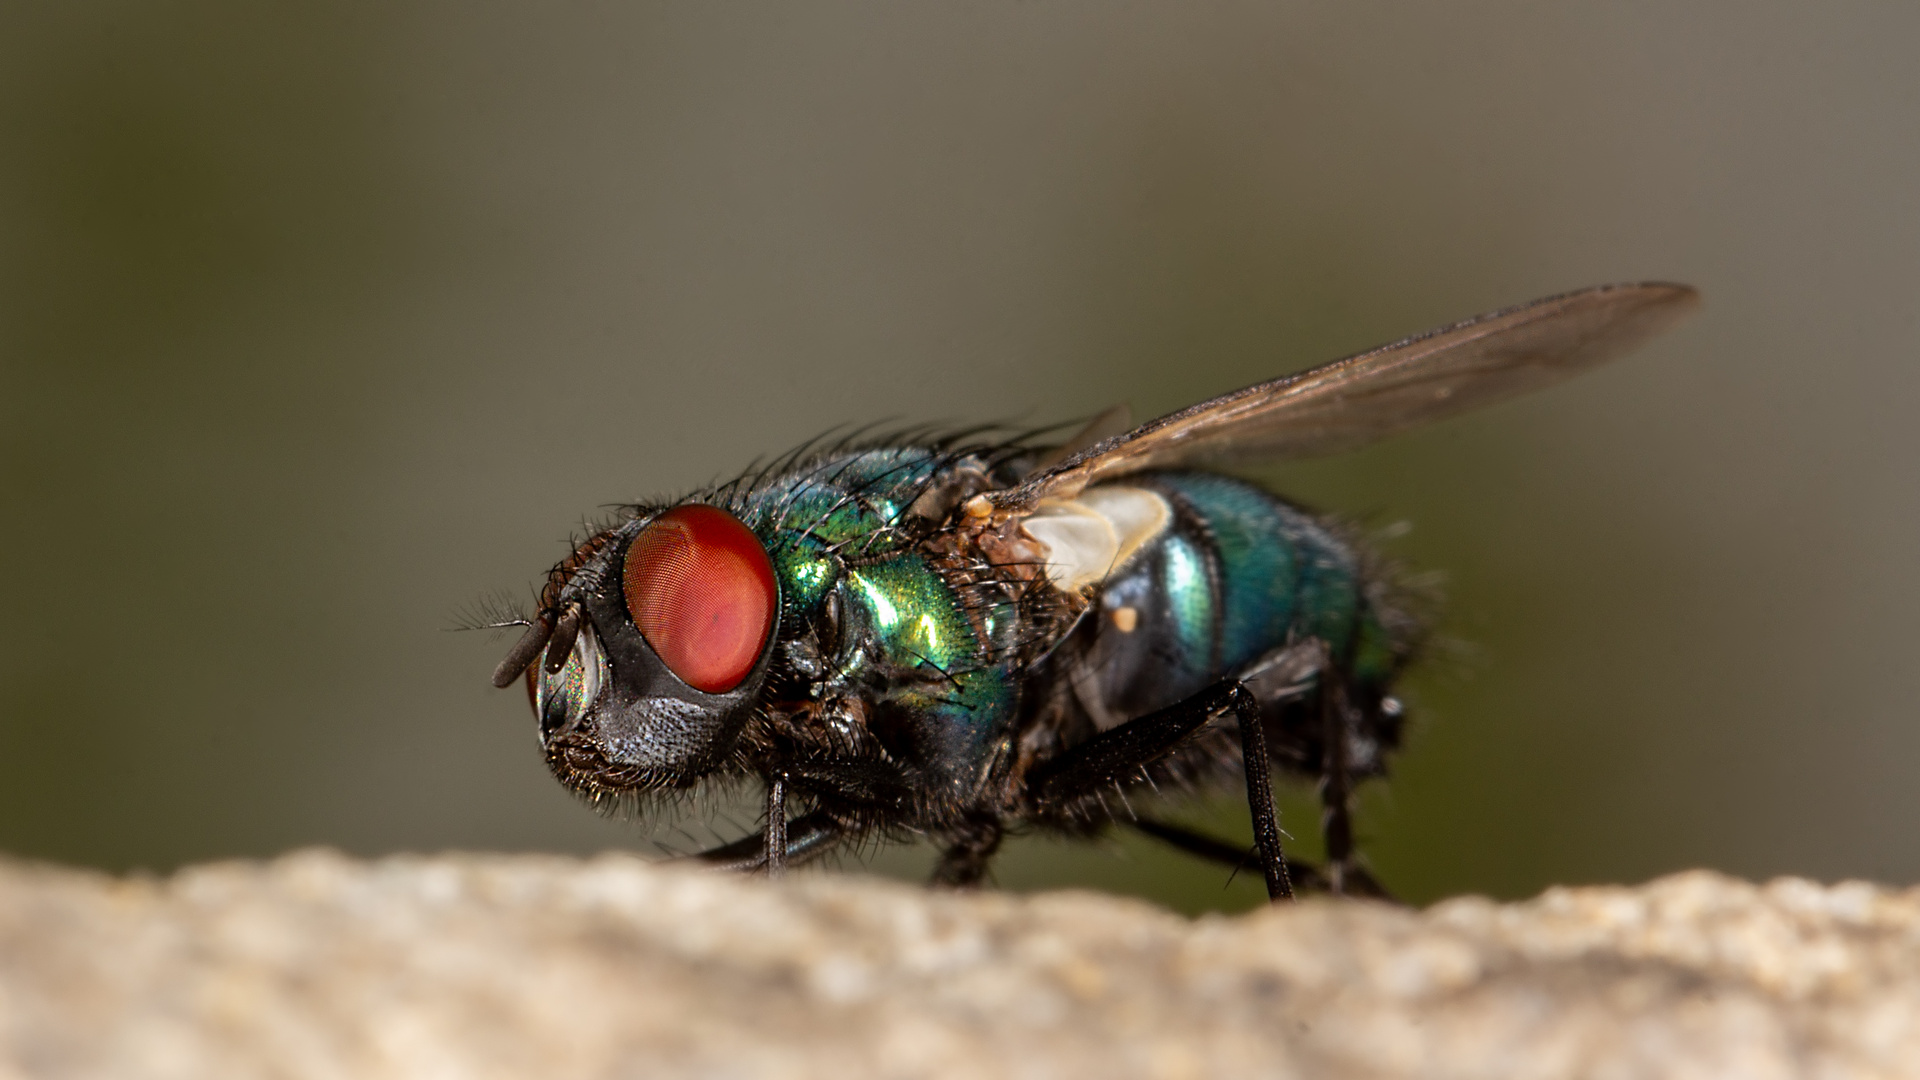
{"type": "Point", "coordinates": [319, 323]}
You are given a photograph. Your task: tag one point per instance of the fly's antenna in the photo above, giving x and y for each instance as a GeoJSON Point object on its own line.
{"type": "Point", "coordinates": [524, 651]}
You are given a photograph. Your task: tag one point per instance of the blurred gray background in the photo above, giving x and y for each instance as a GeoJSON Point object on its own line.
{"type": "Point", "coordinates": [318, 323]}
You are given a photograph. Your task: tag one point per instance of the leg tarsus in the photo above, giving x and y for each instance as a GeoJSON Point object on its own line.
{"type": "Point", "coordinates": [776, 832]}
{"type": "Point", "coordinates": [964, 863]}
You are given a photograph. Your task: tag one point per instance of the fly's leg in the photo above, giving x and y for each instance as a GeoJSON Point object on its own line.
{"type": "Point", "coordinates": [1210, 848]}
{"type": "Point", "coordinates": [1258, 768]}
{"type": "Point", "coordinates": [783, 842]}
{"type": "Point", "coordinates": [964, 862]}
{"type": "Point", "coordinates": [807, 837]}
{"type": "Point", "coordinates": [1336, 813]}
{"type": "Point", "coordinates": [776, 846]}
{"type": "Point", "coordinates": [1345, 875]}
{"type": "Point", "coordinates": [1120, 754]}
{"type": "Point", "coordinates": [1292, 671]}
{"type": "Point", "coordinates": [1304, 877]}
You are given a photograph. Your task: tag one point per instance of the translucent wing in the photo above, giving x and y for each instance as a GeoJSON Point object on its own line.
{"type": "Point", "coordinates": [1395, 387]}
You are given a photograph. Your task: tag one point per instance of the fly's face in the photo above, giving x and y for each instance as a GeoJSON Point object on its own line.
{"type": "Point", "coordinates": [652, 651]}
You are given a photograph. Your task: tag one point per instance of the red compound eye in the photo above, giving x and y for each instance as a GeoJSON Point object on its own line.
{"type": "Point", "coordinates": [701, 590]}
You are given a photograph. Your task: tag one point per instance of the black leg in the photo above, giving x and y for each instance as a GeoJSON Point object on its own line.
{"type": "Point", "coordinates": [866, 783]}
{"type": "Point", "coordinates": [783, 842]}
{"type": "Point", "coordinates": [1259, 773]}
{"type": "Point", "coordinates": [1336, 815]}
{"type": "Point", "coordinates": [1304, 877]}
{"type": "Point", "coordinates": [808, 836]}
{"type": "Point", "coordinates": [776, 848]}
{"type": "Point", "coordinates": [1207, 847]}
{"type": "Point", "coordinates": [965, 861]}
{"type": "Point", "coordinates": [1119, 754]}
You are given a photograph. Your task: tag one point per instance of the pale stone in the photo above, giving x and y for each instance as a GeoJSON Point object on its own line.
{"type": "Point", "coordinates": [316, 965]}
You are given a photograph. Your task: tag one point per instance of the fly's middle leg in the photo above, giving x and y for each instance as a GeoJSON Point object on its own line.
{"type": "Point", "coordinates": [1120, 755]}
{"type": "Point", "coordinates": [1293, 671]}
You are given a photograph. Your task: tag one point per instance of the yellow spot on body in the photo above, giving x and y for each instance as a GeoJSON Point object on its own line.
{"type": "Point", "coordinates": [1125, 619]}
{"type": "Point", "coordinates": [978, 507]}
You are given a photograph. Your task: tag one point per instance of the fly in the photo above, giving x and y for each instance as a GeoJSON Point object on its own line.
{"type": "Point", "coordinates": [952, 636]}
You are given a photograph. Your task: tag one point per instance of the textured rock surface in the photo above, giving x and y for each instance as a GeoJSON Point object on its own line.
{"type": "Point", "coordinates": [487, 966]}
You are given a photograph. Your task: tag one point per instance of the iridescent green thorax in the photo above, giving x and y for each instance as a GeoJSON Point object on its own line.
{"type": "Point", "coordinates": [840, 509]}
{"type": "Point", "coordinates": [932, 662]}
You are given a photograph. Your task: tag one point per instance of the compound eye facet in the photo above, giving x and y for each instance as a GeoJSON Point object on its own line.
{"type": "Point", "coordinates": [700, 588]}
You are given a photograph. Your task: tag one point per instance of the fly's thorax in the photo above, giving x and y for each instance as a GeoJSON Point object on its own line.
{"type": "Point", "coordinates": [928, 653]}
{"type": "Point", "coordinates": [888, 646]}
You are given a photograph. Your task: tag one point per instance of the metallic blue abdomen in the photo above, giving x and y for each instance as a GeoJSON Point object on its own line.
{"type": "Point", "coordinates": [1236, 574]}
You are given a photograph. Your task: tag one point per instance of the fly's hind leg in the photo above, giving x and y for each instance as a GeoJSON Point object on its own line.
{"type": "Point", "coordinates": [1336, 811]}
{"type": "Point", "coordinates": [1304, 877]}
{"type": "Point", "coordinates": [964, 862]}
{"type": "Point", "coordinates": [1290, 672]}
{"type": "Point", "coordinates": [1120, 754]}
{"type": "Point", "coordinates": [1345, 874]}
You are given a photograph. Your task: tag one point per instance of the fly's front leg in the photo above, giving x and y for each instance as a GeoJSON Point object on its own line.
{"type": "Point", "coordinates": [1121, 753]}
{"type": "Point", "coordinates": [806, 837]}
{"type": "Point", "coordinates": [849, 786]}
{"type": "Point", "coordinates": [776, 846]}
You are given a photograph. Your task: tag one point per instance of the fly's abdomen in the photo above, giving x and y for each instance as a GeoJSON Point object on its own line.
{"type": "Point", "coordinates": [1230, 574]}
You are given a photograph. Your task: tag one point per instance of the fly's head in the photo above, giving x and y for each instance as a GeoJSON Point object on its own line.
{"type": "Point", "coordinates": [650, 650]}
